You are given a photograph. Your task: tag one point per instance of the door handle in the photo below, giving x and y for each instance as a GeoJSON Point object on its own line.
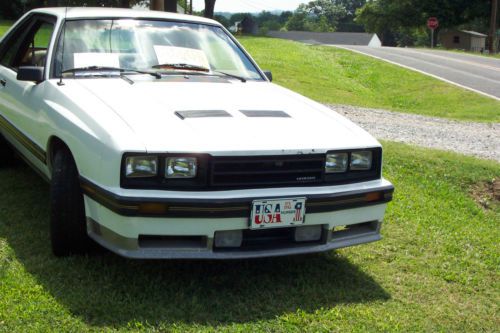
{"type": "Point", "coordinates": [3, 82]}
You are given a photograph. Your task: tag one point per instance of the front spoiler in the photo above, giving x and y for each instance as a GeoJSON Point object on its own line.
{"type": "Point", "coordinates": [127, 247]}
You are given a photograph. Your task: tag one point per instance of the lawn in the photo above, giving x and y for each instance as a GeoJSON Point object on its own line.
{"type": "Point", "coordinates": [332, 75]}
{"type": "Point", "coordinates": [437, 269]}
{"type": "Point", "coordinates": [4, 26]}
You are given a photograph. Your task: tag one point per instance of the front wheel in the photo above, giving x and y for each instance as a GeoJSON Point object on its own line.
{"type": "Point", "coordinates": [68, 231]}
{"type": "Point", "coordinates": [6, 152]}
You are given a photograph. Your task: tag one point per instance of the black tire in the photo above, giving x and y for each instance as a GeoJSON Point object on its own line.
{"type": "Point", "coordinates": [68, 231]}
{"type": "Point", "coordinates": [7, 155]}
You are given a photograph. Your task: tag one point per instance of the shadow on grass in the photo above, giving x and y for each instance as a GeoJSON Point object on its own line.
{"type": "Point", "coordinates": [107, 290]}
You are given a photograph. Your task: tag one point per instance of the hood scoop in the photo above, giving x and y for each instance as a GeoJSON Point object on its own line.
{"type": "Point", "coordinates": [202, 114]}
{"type": "Point", "coordinates": [265, 114]}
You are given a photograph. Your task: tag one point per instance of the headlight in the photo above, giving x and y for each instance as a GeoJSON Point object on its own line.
{"type": "Point", "coordinates": [361, 160]}
{"type": "Point", "coordinates": [180, 167]}
{"type": "Point", "coordinates": [336, 162]}
{"type": "Point", "coordinates": [141, 166]}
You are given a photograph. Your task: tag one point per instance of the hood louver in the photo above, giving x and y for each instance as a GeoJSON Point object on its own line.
{"type": "Point", "coordinates": [202, 114]}
{"type": "Point", "coordinates": [265, 114]}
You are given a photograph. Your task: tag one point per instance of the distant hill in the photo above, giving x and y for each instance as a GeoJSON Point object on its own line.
{"type": "Point", "coordinates": [225, 14]}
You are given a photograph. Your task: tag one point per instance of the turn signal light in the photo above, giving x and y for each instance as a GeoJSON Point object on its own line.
{"type": "Point", "coordinates": [373, 196]}
{"type": "Point", "coordinates": [153, 208]}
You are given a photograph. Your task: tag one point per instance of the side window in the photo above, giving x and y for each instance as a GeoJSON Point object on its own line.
{"type": "Point", "coordinates": [30, 49]}
{"type": "Point", "coordinates": [11, 44]}
{"type": "Point", "coordinates": [33, 50]}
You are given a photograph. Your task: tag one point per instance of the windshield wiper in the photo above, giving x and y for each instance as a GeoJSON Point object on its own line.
{"type": "Point", "coordinates": [242, 79]}
{"type": "Point", "coordinates": [105, 68]}
{"type": "Point", "coordinates": [182, 66]}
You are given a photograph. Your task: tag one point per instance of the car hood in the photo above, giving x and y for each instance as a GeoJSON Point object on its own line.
{"type": "Point", "coordinates": [151, 109]}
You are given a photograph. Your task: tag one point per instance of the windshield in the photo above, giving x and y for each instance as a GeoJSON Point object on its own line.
{"type": "Point", "coordinates": [145, 45]}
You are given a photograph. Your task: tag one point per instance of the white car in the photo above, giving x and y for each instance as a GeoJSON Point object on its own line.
{"type": "Point", "coordinates": [162, 138]}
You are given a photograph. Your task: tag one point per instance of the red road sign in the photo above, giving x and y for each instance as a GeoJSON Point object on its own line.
{"type": "Point", "coordinates": [432, 23]}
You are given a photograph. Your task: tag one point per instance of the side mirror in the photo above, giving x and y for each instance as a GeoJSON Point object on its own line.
{"type": "Point", "coordinates": [30, 73]}
{"type": "Point", "coordinates": [269, 75]}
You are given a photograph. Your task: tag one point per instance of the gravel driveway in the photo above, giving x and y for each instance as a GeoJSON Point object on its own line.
{"type": "Point", "coordinates": [476, 139]}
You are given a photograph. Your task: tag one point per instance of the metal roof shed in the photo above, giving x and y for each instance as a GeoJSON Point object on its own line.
{"type": "Point", "coordinates": [463, 40]}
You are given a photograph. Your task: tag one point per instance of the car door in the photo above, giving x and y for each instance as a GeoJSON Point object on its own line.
{"type": "Point", "coordinates": [22, 102]}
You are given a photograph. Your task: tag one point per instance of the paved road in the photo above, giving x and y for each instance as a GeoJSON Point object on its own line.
{"type": "Point", "coordinates": [481, 74]}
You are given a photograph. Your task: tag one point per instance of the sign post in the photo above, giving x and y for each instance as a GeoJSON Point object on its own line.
{"type": "Point", "coordinates": [432, 23]}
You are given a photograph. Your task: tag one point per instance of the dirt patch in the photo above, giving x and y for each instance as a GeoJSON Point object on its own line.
{"type": "Point", "coordinates": [487, 194]}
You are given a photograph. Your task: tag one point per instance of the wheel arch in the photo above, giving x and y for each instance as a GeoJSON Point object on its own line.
{"type": "Point", "coordinates": [55, 144]}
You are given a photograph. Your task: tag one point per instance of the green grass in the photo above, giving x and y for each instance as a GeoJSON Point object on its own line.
{"type": "Point", "coordinates": [4, 26]}
{"type": "Point", "coordinates": [332, 75]}
{"type": "Point", "coordinates": [437, 269]}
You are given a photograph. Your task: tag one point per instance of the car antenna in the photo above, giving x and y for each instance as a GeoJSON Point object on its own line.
{"type": "Point", "coordinates": [60, 83]}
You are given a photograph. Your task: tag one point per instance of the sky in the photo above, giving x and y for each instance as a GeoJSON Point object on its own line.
{"type": "Point", "coordinates": [250, 5]}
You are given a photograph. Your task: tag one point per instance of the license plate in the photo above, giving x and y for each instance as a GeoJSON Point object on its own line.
{"type": "Point", "coordinates": [274, 213]}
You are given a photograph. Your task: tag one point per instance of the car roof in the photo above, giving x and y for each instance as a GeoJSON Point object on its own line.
{"type": "Point", "coordinates": [105, 12]}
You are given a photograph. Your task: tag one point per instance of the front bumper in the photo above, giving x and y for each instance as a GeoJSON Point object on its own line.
{"type": "Point", "coordinates": [175, 228]}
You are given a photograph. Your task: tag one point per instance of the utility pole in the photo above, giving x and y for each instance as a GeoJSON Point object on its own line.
{"type": "Point", "coordinates": [209, 8]}
{"type": "Point", "coordinates": [493, 25]}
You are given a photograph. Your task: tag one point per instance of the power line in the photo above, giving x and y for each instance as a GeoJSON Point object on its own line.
{"type": "Point", "coordinates": [261, 5]}
{"type": "Point", "coordinates": [243, 5]}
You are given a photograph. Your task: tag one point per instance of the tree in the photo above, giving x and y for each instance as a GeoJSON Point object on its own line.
{"type": "Point", "coordinates": [209, 8]}
{"type": "Point", "coordinates": [318, 15]}
{"type": "Point", "coordinates": [298, 21]}
{"type": "Point", "coordinates": [13, 9]}
{"type": "Point", "coordinates": [170, 6]}
{"type": "Point", "coordinates": [268, 21]}
{"type": "Point", "coordinates": [390, 17]}
{"type": "Point", "coordinates": [329, 13]}
{"type": "Point", "coordinates": [163, 5]}
{"type": "Point", "coordinates": [284, 16]}
{"type": "Point", "coordinates": [350, 6]}
{"type": "Point", "coordinates": [237, 17]}
{"type": "Point", "coordinates": [347, 22]}
{"type": "Point", "coordinates": [493, 25]}
{"type": "Point", "coordinates": [222, 20]}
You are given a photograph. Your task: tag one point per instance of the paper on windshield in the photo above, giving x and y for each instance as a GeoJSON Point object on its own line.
{"type": "Point", "coordinates": [180, 55]}
{"type": "Point", "coordinates": [96, 59]}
